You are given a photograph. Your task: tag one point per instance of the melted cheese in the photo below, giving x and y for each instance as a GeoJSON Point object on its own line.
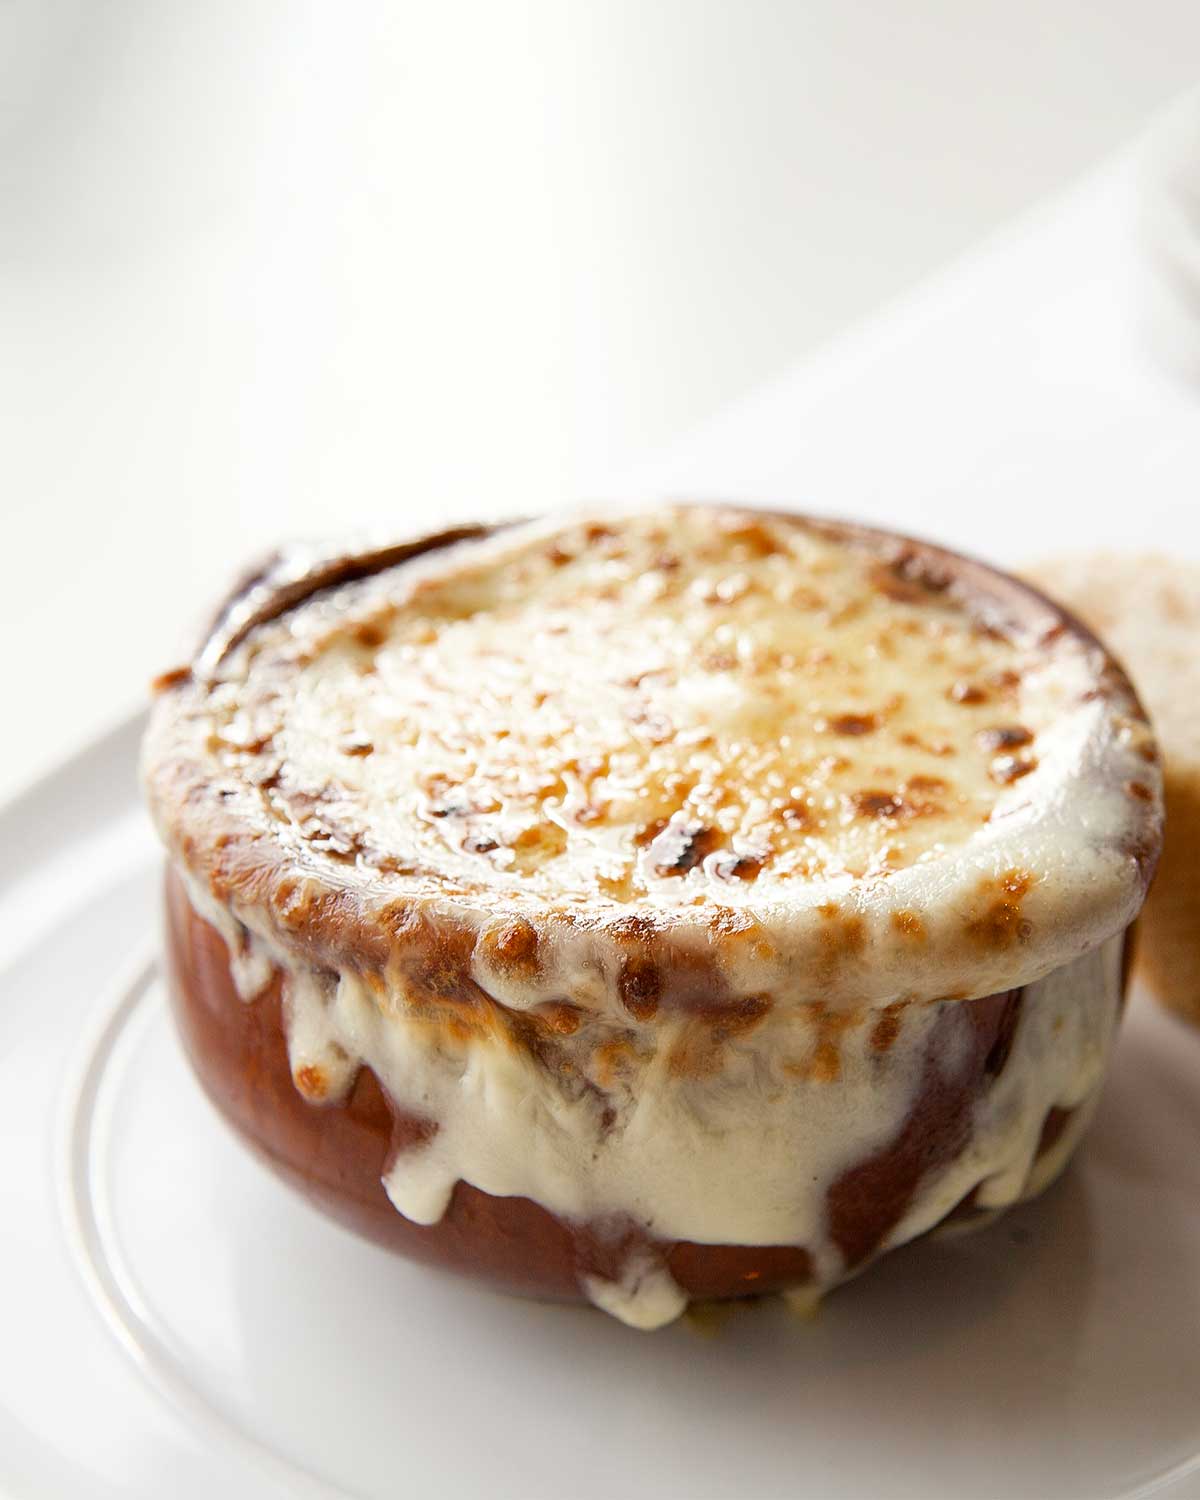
{"type": "Point", "coordinates": [685, 720]}
{"type": "Point", "coordinates": [746, 1154]}
{"type": "Point", "coordinates": [676, 708]}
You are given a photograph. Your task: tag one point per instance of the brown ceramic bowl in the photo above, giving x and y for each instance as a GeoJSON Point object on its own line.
{"type": "Point", "coordinates": [649, 942]}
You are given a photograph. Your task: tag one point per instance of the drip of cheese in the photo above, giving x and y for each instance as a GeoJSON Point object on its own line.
{"type": "Point", "coordinates": [745, 1154]}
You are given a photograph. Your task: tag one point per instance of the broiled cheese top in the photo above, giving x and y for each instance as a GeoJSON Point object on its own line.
{"type": "Point", "coordinates": [673, 707]}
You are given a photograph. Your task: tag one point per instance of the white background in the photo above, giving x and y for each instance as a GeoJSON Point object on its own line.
{"type": "Point", "coordinates": [270, 269]}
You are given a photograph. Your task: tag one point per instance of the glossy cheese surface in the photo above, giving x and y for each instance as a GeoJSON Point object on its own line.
{"type": "Point", "coordinates": [670, 710]}
{"type": "Point", "coordinates": [909, 776]}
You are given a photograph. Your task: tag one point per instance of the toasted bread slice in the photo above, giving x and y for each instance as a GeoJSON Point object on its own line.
{"type": "Point", "coordinates": [1147, 609]}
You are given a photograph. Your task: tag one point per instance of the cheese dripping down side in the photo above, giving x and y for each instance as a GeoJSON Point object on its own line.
{"type": "Point", "coordinates": [744, 1147]}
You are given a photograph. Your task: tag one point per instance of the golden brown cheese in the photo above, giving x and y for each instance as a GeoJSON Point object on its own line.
{"type": "Point", "coordinates": [669, 760]}
{"type": "Point", "coordinates": [672, 707]}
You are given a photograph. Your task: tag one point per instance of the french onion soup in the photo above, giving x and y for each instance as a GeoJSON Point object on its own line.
{"type": "Point", "coordinates": [683, 903]}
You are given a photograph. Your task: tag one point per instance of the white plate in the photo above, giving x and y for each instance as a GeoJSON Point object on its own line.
{"type": "Point", "coordinates": [174, 1320]}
